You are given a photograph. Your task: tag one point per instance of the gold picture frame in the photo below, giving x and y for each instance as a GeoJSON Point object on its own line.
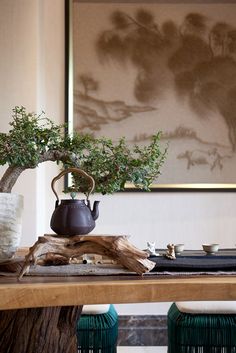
{"type": "Point", "coordinates": [136, 67]}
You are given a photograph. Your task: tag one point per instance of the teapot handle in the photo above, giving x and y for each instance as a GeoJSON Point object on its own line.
{"type": "Point", "coordinates": [72, 170]}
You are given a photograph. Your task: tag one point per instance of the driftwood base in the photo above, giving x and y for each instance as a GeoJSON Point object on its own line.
{"type": "Point", "coordinates": [39, 330]}
{"type": "Point", "coordinates": [52, 249]}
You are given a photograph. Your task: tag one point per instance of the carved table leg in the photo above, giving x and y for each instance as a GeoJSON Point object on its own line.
{"type": "Point", "coordinates": [37, 330]}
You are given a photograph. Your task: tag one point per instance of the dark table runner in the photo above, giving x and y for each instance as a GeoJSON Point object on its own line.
{"type": "Point", "coordinates": [190, 262]}
{"type": "Point", "coordinates": [196, 260]}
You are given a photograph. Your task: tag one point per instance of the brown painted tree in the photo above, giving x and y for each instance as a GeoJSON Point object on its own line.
{"type": "Point", "coordinates": [220, 38]}
{"type": "Point", "coordinates": [194, 23]}
{"type": "Point", "coordinates": [197, 60]}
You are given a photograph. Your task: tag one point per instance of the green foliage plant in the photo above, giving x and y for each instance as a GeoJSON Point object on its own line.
{"type": "Point", "coordinates": [34, 139]}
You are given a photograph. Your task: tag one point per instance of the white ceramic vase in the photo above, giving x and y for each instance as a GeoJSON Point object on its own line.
{"type": "Point", "coordinates": [11, 210]}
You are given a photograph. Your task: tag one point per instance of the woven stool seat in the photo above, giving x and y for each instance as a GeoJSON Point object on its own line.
{"type": "Point", "coordinates": [97, 333]}
{"type": "Point", "coordinates": [200, 333]}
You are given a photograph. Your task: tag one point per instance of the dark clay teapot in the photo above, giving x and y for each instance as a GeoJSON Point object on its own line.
{"type": "Point", "coordinates": [74, 217]}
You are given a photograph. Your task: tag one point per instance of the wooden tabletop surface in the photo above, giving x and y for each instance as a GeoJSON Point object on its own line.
{"type": "Point", "coordinates": [62, 291]}
{"type": "Point", "coordinates": [36, 291]}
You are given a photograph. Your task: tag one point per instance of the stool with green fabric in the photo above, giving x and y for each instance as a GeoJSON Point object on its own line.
{"type": "Point", "coordinates": [202, 330]}
{"type": "Point", "coordinates": [97, 330]}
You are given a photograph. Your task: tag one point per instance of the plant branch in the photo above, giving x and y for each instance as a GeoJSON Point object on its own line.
{"type": "Point", "coordinates": [12, 173]}
{"type": "Point", "coordinates": [10, 177]}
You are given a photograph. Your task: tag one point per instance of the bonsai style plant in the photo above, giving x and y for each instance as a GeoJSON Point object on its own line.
{"type": "Point", "coordinates": [34, 139]}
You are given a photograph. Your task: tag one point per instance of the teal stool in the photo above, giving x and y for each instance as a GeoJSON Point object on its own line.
{"type": "Point", "coordinates": [98, 333]}
{"type": "Point", "coordinates": [201, 332]}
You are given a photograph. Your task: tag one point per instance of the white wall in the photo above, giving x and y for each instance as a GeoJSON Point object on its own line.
{"type": "Point", "coordinates": [18, 73]}
{"type": "Point", "coordinates": [32, 74]}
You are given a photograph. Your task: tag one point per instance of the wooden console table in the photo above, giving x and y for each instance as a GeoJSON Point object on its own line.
{"type": "Point", "coordinates": [39, 314]}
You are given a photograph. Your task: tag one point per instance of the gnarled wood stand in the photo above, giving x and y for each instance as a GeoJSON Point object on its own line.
{"type": "Point", "coordinates": [39, 330]}
{"type": "Point", "coordinates": [53, 329]}
{"type": "Point", "coordinates": [52, 249]}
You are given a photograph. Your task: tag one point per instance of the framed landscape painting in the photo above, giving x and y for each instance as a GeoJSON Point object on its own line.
{"type": "Point", "coordinates": [134, 68]}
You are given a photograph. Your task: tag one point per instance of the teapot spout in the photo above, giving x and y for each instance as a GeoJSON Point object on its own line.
{"type": "Point", "coordinates": [95, 211]}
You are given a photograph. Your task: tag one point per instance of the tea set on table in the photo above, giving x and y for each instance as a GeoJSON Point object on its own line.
{"type": "Point", "coordinates": [72, 217]}
{"type": "Point", "coordinates": [177, 249]}
{"type": "Point", "coordinates": [77, 217]}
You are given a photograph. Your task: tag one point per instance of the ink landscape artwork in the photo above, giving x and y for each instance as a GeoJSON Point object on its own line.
{"type": "Point", "coordinates": [142, 67]}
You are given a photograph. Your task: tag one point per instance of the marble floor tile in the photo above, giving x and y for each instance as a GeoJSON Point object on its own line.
{"type": "Point", "coordinates": [141, 349]}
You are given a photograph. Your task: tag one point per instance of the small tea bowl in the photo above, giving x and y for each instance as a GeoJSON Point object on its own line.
{"type": "Point", "coordinates": [179, 248]}
{"type": "Point", "coordinates": [210, 248]}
